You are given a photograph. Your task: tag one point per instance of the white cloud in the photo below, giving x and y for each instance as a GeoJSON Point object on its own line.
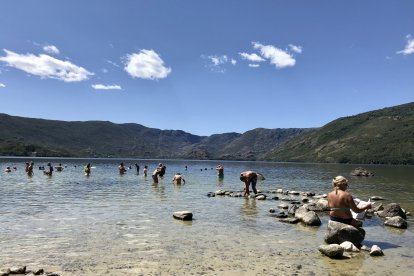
{"type": "Point", "coordinates": [409, 47]}
{"type": "Point", "coordinates": [104, 70]}
{"type": "Point", "coordinates": [277, 57]}
{"type": "Point", "coordinates": [217, 63]}
{"type": "Point", "coordinates": [146, 64]}
{"type": "Point", "coordinates": [106, 87]}
{"type": "Point", "coordinates": [51, 49]}
{"type": "Point", "coordinates": [296, 49]}
{"type": "Point", "coordinates": [2, 85]}
{"type": "Point", "coordinates": [46, 66]}
{"type": "Point", "coordinates": [254, 65]}
{"type": "Point", "coordinates": [218, 60]}
{"type": "Point", "coordinates": [252, 57]}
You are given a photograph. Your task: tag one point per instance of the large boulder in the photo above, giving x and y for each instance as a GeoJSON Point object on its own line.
{"type": "Point", "coordinates": [311, 219]}
{"type": "Point", "coordinates": [392, 210]}
{"type": "Point", "coordinates": [332, 250]}
{"type": "Point", "coordinates": [339, 232]}
{"type": "Point", "coordinates": [397, 222]}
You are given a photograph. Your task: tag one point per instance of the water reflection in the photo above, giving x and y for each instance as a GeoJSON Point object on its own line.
{"type": "Point", "coordinates": [249, 208]}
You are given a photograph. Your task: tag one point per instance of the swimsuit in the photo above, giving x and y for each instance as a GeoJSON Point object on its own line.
{"type": "Point", "coordinates": [342, 220]}
{"type": "Point", "coordinates": [340, 209]}
{"type": "Point", "coordinates": [253, 181]}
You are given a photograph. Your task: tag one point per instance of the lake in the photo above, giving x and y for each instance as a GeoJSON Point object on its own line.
{"type": "Point", "coordinates": [111, 224]}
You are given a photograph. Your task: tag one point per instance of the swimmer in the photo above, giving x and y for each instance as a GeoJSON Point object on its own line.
{"type": "Point", "coordinates": [88, 169]}
{"type": "Point", "coordinates": [220, 170]}
{"type": "Point", "coordinates": [177, 178]}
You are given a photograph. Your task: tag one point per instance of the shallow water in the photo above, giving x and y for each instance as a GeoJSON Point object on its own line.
{"type": "Point", "coordinates": [122, 224]}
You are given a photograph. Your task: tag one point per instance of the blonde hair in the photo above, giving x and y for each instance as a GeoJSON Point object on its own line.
{"type": "Point", "coordinates": [338, 180]}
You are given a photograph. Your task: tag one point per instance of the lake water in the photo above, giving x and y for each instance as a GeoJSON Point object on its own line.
{"type": "Point", "coordinates": [111, 224]}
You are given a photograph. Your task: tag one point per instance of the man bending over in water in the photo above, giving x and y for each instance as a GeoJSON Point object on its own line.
{"type": "Point", "coordinates": [177, 178]}
{"type": "Point", "coordinates": [249, 177]}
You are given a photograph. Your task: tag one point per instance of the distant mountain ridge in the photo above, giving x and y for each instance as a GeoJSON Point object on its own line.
{"type": "Point", "coordinates": [24, 136]}
{"type": "Point", "coordinates": [384, 136]}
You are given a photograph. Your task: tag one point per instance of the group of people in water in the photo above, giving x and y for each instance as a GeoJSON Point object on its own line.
{"type": "Point", "coordinates": [340, 201]}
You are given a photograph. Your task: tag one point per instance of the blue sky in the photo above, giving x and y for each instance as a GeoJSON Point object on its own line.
{"type": "Point", "coordinates": [205, 67]}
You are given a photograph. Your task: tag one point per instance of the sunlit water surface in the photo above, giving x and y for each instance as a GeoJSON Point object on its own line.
{"type": "Point", "coordinates": [111, 224]}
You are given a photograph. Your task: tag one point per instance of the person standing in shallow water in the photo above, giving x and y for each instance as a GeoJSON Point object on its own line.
{"type": "Point", "coordinates": [249, 177]}
{"type": "Point", "coordinates": [341, 203]}
{"type": "Point", "coordinates": [155, 174]}
{"type": "Point", "coordinates": [137, 167]}
{"type": "Point", "coordinates": [145, 171]}
{"type": "Point", "coordinates": [122, 169]}
{"type": "Point", "coordinates": [29, 169]}
{"type": "Point", "coordinates": [88, 169]}
{"type": "Point", "coordinates": [178, 178]}
{"type": "Point", "coordinates": [220, 170]}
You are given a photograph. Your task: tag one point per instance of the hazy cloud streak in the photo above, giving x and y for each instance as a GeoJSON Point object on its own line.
{"type": "Point", "coordinates": [106, 87]}
{"type": "Point", "coordinates": [252, 57]}
{"type": "Point", "coordinates": [51, 49]}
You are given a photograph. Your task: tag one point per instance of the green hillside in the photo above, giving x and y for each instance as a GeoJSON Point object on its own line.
{"type": "Point", "coordinates": [383, 136]}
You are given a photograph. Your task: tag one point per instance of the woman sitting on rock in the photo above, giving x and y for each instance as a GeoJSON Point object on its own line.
{"type": "Point", "coordinates": [341, 203]}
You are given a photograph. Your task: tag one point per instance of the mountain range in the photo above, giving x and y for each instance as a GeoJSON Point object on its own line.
{"type": "Point", "coordinates": [383, 136]}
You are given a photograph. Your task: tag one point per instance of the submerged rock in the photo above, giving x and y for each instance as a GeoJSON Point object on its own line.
{"type": "Point", "coordinates": [332, 250]}
{"type": "Point", "coordinates": [290, 220]}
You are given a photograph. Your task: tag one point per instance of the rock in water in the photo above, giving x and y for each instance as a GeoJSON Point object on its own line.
{"type": "Point", "coordinates": [311, 219]}
{"type": "Point", "coordinates": [349, 247]}
{"type": "Point", "coordinates": [332, 250]}
{"type": "Point", "coordinates": [376, 251]}
{"type": "Point", "coordinates": [361, 172]}
{"type": "Point", "coordinates": [392, 210]}
{"type": "Point", "coordinates": [339, 232]}
{"type": "Point", "coordinates": [397, 222]}
{"type": "Point", "coordinates": [18, 270]}
{"type": "Point", "coordinates": [183, 215]}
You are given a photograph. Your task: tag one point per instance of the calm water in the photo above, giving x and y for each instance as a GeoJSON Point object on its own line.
{"type": "Point", "coordinates": [122, 224]}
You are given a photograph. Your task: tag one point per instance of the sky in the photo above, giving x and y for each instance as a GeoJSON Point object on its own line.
{"type": "Point", "coordinates": [205, 67]}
